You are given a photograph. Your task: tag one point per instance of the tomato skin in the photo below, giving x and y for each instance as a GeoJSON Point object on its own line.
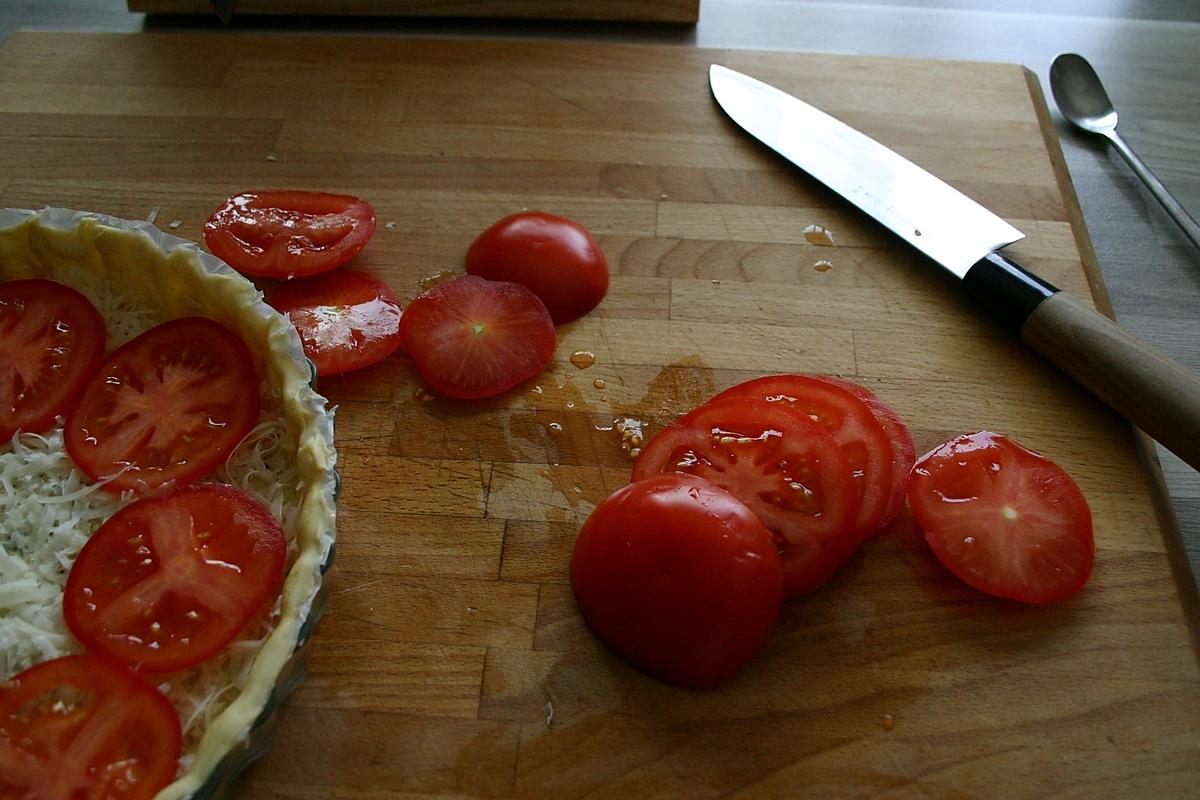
{"type": "Point", "coordinates": [1006, 520]}
{"type": "Point", "coordinates": [679, 578]}
{"type": "Point", "coordinates": [51, 341]}
{"type": "Point", "coordinates": [83, 726]}
{"type": "Point", "coordinates": [289, 234]}
{"type": "Point", "coordinates": [854, 426]}
{"type": "Point", "coordinates": [470, 337]}
{"type": "Point", "coordinates": [553, 256]}
{"type": "Point", "coordinates": [785, 467]}
{"type": "Point", "coordinates": [166, 407]}
{"type": "Point", "coordinates": [347, 320]}
{"type": "Point", "coordinates": [170, 580]}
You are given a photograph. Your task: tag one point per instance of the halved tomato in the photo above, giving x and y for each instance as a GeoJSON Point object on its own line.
{"type": "Point", "coordinates": [1006, 520]}
{"type": "Point", "coordinates": [51, 341]}
{"type": "Point", "coordinates": [471, 338]}
{"type": "Point", "coordinates": [784, 466]}
{"type": "Point", "coordinates": [289, 234]}
{"type": "Point", "coordinates": [853, 426]}
{"type": "Point", "coordinates": [347, 319]}
{"type": "Point", "coordinates": [85, 726]}
{"type": "Point", "coordinates": [170, 580]}
{"type": "Point", "coordinates": [166, 407]}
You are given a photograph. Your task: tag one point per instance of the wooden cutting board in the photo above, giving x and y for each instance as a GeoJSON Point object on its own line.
{"type": "Point", "coordinates": [452, 661]}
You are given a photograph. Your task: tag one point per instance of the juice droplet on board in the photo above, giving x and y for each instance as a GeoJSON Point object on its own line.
{"type": "Point", "coordinates": [430, 281]}
{"type": "Point", "coordinates": [422, 395]}
{"type": "Point", "coordinates": [823, 266]}
{"type": "Point", "coordinates": [818, 235]}
{"type": "Point", "coordinates": [583, 358]}
{"type": "Point", "coordinates": [555, 428]}
{"type": "Point", "coordinates": [599, 383]}
{"type": "Point", "coordinates": [888, 722]}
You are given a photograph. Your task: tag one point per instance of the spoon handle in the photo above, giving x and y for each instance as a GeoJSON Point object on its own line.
{"type": "Point", "coordinates": [1177, 212]}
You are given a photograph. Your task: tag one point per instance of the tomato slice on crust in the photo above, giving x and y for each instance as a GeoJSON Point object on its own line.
{"type": "Point", "coordinates": [85, 726]}
{"type": "Point", "coordinates": [168, 406]}
{"type": "Point", "coordinates": [347, 319]}
{"type": "Point", "coordinates": [853, 426]}
{"type": "Point", "coordinates": [289, 234]}
{"type": "Point", "coordinates": [1006, 520]}
{"type": "Point", "coordinates": [51, 341]}
{"type": "Point", "coordinates": [170, 580]}
{"type": "Point", "coordinates": [785, 467]}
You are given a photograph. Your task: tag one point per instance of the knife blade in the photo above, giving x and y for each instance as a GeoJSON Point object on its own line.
{"type": "Point", "coordinates": [1152, 391]}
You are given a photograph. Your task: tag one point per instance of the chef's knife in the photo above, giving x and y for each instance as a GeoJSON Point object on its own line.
{"type": "Point", "coordinates": [1155, 393]}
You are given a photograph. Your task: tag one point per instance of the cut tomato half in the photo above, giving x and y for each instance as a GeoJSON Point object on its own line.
{"type": "Point", "coordinates": [289, 234]}
{"type": "Point", "coordinates": [1006, 520]}
{"type": "Point", "coordinates": [51, 341]}
{"type": "Point", "coordinates": [166, 407]}
{"type": "Point", "coordinates": [470, 337]}
{"type": "Point", "coordinates": [853, 426]}
{"type": "Point", "coordinates": [785, 467]}
{"type": "Point", "coordinates": [170, 580]}
{"type": "Point", "coordinates": [347, 320]}
{"type": "Point", "coordinates": [85, 726]}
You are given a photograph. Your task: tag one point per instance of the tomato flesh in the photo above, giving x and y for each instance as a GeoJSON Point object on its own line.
{"type": "Point", "coordinates": [853, 426]}
{"type": "Point", "coordinates": [471, 338]}
{"type": "Point", "coordinates": [289, 234]}
{"type": "Point", "coordinates": [85, 726]}
{"type": "Point", "coordinates": [347, 320]}
{"type": "Point", "coordinates": [1006, 520]}
{"type": "Point", "coordinates": [555, 257]}
{"type": "Point", "coordinates": [679, 578]}
{"type": "Point", "coordinates": [51, 341]}
{"type": "Point", "coordinates": [170, 580]}
{"type": "Point", "coordinates": [784, 466]}
{"type": "Point", "coordinates": [166, 407]}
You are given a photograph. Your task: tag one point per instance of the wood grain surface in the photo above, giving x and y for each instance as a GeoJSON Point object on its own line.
{"type": "Point", "coordinates": [629, 10]}
{"type": "Point", "coordinates": [452, 661]}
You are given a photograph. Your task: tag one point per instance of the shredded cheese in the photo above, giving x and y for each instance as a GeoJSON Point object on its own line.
{"type": "Point", "coordinates": [48, 509]}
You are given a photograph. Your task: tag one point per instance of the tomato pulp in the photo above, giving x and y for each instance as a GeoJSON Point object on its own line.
{"type": "Point", "coordinates": [1006, 520]}
{"type": "Point", "coordinates": [679, 578]}
{"type": "Point", "coordinates": [51, 341]}
{"type": "Point", "coordinates": [170, 580]}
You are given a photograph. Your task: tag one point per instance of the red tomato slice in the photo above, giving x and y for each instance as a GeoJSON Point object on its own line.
{"type": "Point", "coordinates": [679, 578]}
{"type": "Point", "coordinates": [853, 426]}
{"type": "Point", "coordinates": [52, 341]}
{"type": "Point", "coordinates": [347, 320]}
{"type": "Point", "coordinates": [786, 468]}
{"type": "Point", "coordinates": [168, 406]}
{"type": "Point", "coordinates": [904, 453]}
{"type": "Point", "coordinates": [471, 338]}
{"type": "Point", "coordinates": [85, 727]}
{"type": "Point", "coordinates": [553, 256]}
{"type": "Point", "coordinates": [170, 580]}
{"type": "Point", "coordinates": [1006, 520]}
{"type": "Point", "coordinates": [289, 234]}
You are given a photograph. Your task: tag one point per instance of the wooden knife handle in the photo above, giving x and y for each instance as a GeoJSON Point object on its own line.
{"type": "Point", "coordinates": [1158, 395]}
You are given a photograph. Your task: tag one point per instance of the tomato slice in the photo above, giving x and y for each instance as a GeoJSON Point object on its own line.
{"type": "Point", "coordinates": [347, 319]}
{"type": "Point", "coordinates": [679, 578]}
{"type": "Point", "coordinates": [170, 580]}
{"type": "Point", "coordinates": [85, 726]}
{"type": "Point", "coordinates": [904, 453]}
{"type": "Point", "coordinates": [289, 234]}
{"type": "Point", "coordinates": [1006, 520]}
{"type": "Point", "coordinates": [853, 425]}
{"type": "Point", "coordinates": [470, 337]}
{"type": "Point", "coordinates": [553, 256]}
{"type": "Point", "coordinates": [168, 406]}
{"type": "Point", "coordinates": [786, 468]}
{"type": "Point", "coordinates": [53, 340]}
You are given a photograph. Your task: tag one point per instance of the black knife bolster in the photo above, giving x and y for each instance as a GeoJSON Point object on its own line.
{"type": "Point", "coordinates": [1006, 289]}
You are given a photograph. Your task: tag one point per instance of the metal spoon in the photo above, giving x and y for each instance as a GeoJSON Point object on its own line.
{"type": "Point", "coordinates": [1082, 100]}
